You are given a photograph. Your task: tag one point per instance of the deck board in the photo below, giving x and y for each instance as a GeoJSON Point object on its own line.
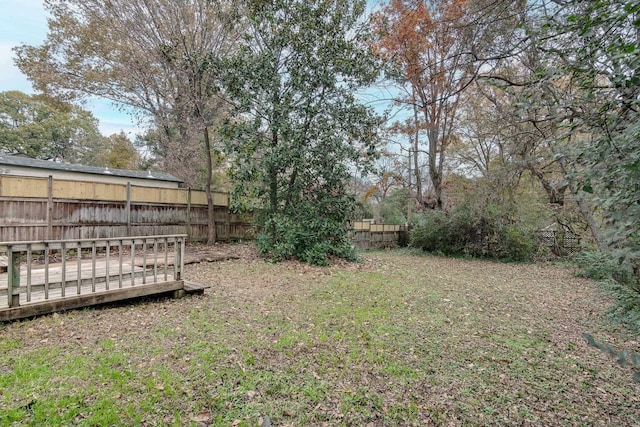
{"type": "Point", "coordinates": [106, 280]}
{"type": "Point", "coordinates": [68, 303]}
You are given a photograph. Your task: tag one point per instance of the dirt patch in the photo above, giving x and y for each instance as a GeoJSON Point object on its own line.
{"type": "Point", "coordinates": [198, 253]}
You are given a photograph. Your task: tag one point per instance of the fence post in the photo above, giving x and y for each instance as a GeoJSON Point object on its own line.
{"type": "Point", "coordinates": [227, 222]}
{"type": "Point", "coordinates": [189, 235]}
{"type": "Point", "coordinates": [49, 234]}
{"type": "Point", "coordinates": [13, 282]}
{"type": "Point", "coordinates": [128, 209]}
{"type": "Point", "coordinates": [181, 260]}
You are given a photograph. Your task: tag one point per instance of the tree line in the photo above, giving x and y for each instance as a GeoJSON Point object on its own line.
{"type": "Point", "coordinates": [502, 116]}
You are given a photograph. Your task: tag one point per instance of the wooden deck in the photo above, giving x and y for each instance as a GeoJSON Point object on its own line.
{"type": "Point", "coordinates": [96, 287]}
{"type": "Point", "coordinates": [45, 287]}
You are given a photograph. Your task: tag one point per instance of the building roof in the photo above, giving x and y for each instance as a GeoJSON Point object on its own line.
{"type": "Point", "coordinates": [26, 162]}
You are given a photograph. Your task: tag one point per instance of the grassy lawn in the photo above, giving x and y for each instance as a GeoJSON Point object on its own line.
{"type": "Point", "coordinates": [399, 339]}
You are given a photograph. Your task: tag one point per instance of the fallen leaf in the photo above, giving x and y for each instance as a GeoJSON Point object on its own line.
{"type": "Point", "coordinates": [201, 417]}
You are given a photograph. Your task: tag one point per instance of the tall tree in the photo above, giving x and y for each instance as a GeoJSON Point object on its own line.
{"type": "Point", "coordinates": [42, 128]}
{"type": "Point", "coordinates": [424, 40]}
{"type": "Point", "coordinates": [481, 146]}
{"type": "Point", "coordinates": [438, 47]}
{"type": "Point", "coordinates": [294, 82]}
{"type": "Point", "coordinates": [118, 152]}
{"type": "Point", "coordinates": [153, 56]}
{"type": "Point", "coordinates": [596, 47]}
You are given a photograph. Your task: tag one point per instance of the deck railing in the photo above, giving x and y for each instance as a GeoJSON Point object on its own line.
{"type": "Point", "coordinates": [47, 270]}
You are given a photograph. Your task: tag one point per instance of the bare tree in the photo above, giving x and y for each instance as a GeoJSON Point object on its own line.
{"type": "Point", "coordinates": [158, 57]}
{"type": "Point", "coordinates": [438, 48]}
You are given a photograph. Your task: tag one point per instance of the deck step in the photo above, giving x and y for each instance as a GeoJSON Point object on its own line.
{"type": "Point", "coordinates": [193, 287]}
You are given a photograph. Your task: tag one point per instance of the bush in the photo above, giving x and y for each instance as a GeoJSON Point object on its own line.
{"type": "Point", "coordinates": [517, 244]}
{"type": "Point", "coordinates": [598, 266]}
{"type": "Point", "coordinates": [474, 231]}
{"type": "Point", "coordinates": [618, 280]}
{"type": "Point", "coordinates": [432, 233]}
{"type": "Point", "coordinates": [310, 240]}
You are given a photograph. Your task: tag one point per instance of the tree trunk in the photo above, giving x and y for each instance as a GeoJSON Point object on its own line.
{"type": "Point", "coordinates": [434, 172]}
{"type": "Point", "coordinates": [416, 164]}
{"type": "Point", "coordinates": [273, 186]}
{"type": "Point", "coordinates": [591, 221]}
{"type": "Point", "coordinates": [211, 219]}
{"type": "Point", "coordinates": [585, 210]}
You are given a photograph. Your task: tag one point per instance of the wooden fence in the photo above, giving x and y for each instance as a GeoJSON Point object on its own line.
{"type": "Point", "coordinates": [366, 235]}
{"type": "Point", "coordinates": [46, 209]}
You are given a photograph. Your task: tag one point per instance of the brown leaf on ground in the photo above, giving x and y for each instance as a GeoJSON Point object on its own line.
{"type": "Point", "coordinates": [201, 417]}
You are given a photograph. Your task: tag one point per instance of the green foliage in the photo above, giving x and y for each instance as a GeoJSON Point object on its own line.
{"type": "Point", "coordinates": [595, 47]}
{"type": "Point", "coordinates": [46, 129]}
{"type": "Point", "coordinates": [310, 239]}
{"type": "Point", "coordinates": [363, 209]}
{"type": "Point", "coordinates": [432, 233]}
{"type": "Point", "coordinates": [303, 131]}
{"type": "Point", "coordinates": [473, 230]}
{"type": "Point", "coordinates": [517, 244]}
{"type": "Point", "coordinates": [626, 309]}
{"type": "Point", "coordinates": [119, 153]}
{"type": "Point", "coordinates": [622, 357]}
{"type": "Point", "coordinates": [393, 209]}
{"type": "Point", "coordinates": [598, 266]}
{"type": "Point", "coordinates": [618, 280]}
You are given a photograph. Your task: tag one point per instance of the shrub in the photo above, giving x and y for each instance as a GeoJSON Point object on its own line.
{"type": "Point", "coordinates": [432, 233]}
{"type": "Point", "coordinates": [618, 280]}
{"type": "Point", "coordinates": [597, 265]}
{"type": "Point", "coordinates": [517, 244]}
{"type": "Point", "coordinates": [472, 231]}
{"type": "Point", "coordinates": [307, 239]}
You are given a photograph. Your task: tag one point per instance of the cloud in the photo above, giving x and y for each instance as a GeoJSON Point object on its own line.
{"type": "Point", "coordinates": [112, 118]}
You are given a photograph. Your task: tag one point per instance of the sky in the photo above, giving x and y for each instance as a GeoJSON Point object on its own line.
{"type": "Point", "coordinates": [25, 21]}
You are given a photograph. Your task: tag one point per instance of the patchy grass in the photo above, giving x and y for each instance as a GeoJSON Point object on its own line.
{"type": "Point", "coordinates": [399, 339]}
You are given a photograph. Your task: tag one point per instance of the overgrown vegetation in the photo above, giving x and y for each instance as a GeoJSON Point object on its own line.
{"type": "Point", "coordinates": [459, 234]}
{"type": "Point", "coordinates": [307, 237]}
{"type": "Point", "coordinates": [618, 280]}
{"type": "Point", "coordinates": [483, 224]}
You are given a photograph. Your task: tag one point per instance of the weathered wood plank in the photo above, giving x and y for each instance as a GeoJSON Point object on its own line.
{"type": "Point", "coordinates": [84, 275]}
{"type": "Point", "coordinates": [71, 281]}
{"type": "Point", "coordinates": [27, 219]}
{"type": "Point", "coordinates": [68, 303]}
{"type": "Point", "coordinates": [194, 287]}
